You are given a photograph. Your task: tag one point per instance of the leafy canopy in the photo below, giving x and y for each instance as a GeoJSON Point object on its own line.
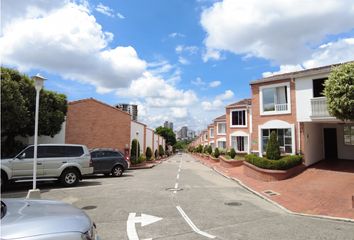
{"type": "Point", "coordinates": [339, 91]}
{"type": "Point", "coordinates": [168, 134]}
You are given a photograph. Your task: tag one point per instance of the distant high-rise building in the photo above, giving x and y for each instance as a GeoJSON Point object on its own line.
{"type": "Point", "coordinates": [168, 124]}
{"type": "Point", "coordinates": [132, 109]}
{"type": "Point", "coordinates": [185, 134]}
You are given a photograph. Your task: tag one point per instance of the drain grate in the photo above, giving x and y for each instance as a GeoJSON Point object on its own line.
{"type": "Point", "coordinates": [233, 204]}
{"type": "Point", "coordinates": [88, 207]}
{"type": "Point", "coordinates": [174, 189]}
{"type": "Point", "coordinates": [271, 193]}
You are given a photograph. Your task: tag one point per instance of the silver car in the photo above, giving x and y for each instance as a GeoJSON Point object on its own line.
{"type": "Point", "coordinates": [43, 219]}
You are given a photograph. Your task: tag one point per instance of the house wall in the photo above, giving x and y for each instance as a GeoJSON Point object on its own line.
{"type": "Point", "coordinates": [59, 138]}
{"type": "Point", "coordinates": [239, 131]}
{"type": "Point", "coordinates": [258, 120]}
{"type": "Point", "coordinates": [149, 138]}
{"type": "Point", "coordinates": [304, 94]}
{"type": "Point", "coordinates": [140, 128]}
{"type": "Point", "coordinates": [97, 125]}
{"type": "Point", "coordinates": [156, 142]}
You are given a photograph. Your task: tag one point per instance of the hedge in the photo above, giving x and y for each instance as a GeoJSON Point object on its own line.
{"type": "Point", "coordinates": [282, 164]}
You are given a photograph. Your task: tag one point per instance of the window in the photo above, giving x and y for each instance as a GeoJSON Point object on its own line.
{"type": "Point", "coordinates": [211, 134]}
{"type": "Point", "coordinates": [51, 151]}
{"type": "Point", "coordinates": [239, 143]}
{"type": "Point", "coordinates": [284, 139]}
{"type": "Point", "coordinates": [221, 128]}
{"type": "Point", "coordinates": [73, 151]}
{"type": "Point", "coordinates": [222, 144]}
{"type": "Point", "coordinates": [275, 99]}
{"type": "Point", "coordinates": [28, 152]}
{"type": "Point", "coordinates": [318, 87]}
{"type": "Point", "coordinates": [349, 135]}
{"type": "Point", "coordinates": [212, 145]}
{"type": "Point", "coordinates": [238, 118]}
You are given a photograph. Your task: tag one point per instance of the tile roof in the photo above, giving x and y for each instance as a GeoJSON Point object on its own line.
{"type": "Point", "coordinates": [220, 118]}
{"type": "Point", "coordinates": [243, 102]}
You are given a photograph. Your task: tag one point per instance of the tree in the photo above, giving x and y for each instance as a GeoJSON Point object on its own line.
{"type": "Point", "coordinates": [167, 134]}
{"type": "Point", "coordinates": [18, 110]}
{"type": "Point", "coordinates": [273, 151]}
{"type": "Point", "coordinates": [148, 153]}
{"type": "Point", "coordinates": [339, 91]}
{"type": "Point", "coordinates": [232, 153]}
{"type": "Point", "coordinates": [210, 150]}
{"type": "Point", "coordinates": [134, 151]}
{"type": "Point", "coordinates": [216, 152]}
{"type": "Point", "coordinates": [205, 149]}
{"type": "Point", "coordinates": [161, 150]}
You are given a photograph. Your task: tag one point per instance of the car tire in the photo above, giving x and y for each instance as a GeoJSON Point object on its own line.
{"type": "Point", "coordinates": [69, 178]}
{"type": "Point", "coordinates": [117, 171]}
{"type": "Point", "coordinates": [3, 181]}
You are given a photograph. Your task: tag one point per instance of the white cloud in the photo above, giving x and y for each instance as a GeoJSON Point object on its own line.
{"type": "Point", "coordinates": [218, 102]}
{"type": "Point", "coordinates": [176, 34]}
{"type": "Point", "coordinates": [191, 50]}
{"type": "Point", "coordinates": [104, 10]}
{"type": "Point", "coordinates": [121, 16]}
{"type": "Point", "coordinates": [198, 82]}
{"type": "Point", "coordinates": [283, 31]}
{"type": "Point", "coordinates": [330, 53]}
{"type": "Point", "coordinates": [214, 84]}
{"type": "Point", "coordinates": [68, 41]}
{"type": "Point", "coordinates": [211, 54]}
{"type": "Point", "coordinates": [183, 60]}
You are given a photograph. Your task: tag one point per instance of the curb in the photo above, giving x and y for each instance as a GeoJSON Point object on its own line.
{"type": "Point", "coordinates": [142, 167]}
{"type": "Point", "coordinates": [277, 204]}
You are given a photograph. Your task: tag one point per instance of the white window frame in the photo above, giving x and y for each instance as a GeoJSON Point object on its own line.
{"type": "Point", "coordinates": [217, 128]}
{"type": "Point", "coordinates": [221, 140]}
{"type": "Point", "coordinates": [238, 110]}
{"type": "Point", "coordinates": [241, 134]}
{"type": "Point", "coordinates": [262, 113]}
{"type": "Point", "coordinates": [211, 135]}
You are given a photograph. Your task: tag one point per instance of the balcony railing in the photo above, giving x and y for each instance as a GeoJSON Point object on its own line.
{"type": "Point", "coordinates": [319, 107]}
{"type": "Point", "coordinates": [281, 107]}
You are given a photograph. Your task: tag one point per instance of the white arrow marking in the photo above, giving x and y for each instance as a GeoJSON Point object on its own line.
{"type": "Point", "coordinates": [144, 219]}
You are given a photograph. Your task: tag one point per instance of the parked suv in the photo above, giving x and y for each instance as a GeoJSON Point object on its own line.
{"type": "Point", "coordinates": [109, 161]}
{"type": "Point", "coordinates": [65, 162]}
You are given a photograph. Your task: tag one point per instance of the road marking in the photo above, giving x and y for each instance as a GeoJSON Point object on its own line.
{"type": "Point", "coordinates": [144, 219]}
{"type": "Point", "coordinates": [191, 224]}
{"type": "Point", "coordinates": [178, 176]}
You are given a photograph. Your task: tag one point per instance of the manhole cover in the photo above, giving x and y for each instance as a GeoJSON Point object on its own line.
{"type": "Point", "coordinates": [233, 203]}
{"type": "Point", "coordinates": [89, 207]}
{"type": "Point", "coordinates": [174, 189]}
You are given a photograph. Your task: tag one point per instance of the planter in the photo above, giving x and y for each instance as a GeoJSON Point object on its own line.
{"type": "Point", "coordinates": [270, 175]}
{"type": "Point", "coordinates": [214, 159]}
{"type": "Point", "coordinates": [229, 163]}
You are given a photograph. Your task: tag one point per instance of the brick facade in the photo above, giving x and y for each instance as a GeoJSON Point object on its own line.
{"type": "Point", "coordinates": [96, 124]}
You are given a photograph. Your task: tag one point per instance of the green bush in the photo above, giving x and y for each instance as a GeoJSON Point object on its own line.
{"type": "Point", "coordinates": [210, 150]}
{"type": "Point", "coordinates": [216, 152]}
{"type": "Point", "coordinates": [232, 153]}
{"type": "Point", "coordinates": [142, 158]}
{"type": "Point", "coordinates": [133, 151]}
{"type": "Point", "coordinates": [161, 150]}
{"type": "Point", "coordinates": [199, 148]}
{"type": "Point", "coordinates": [273, 151]}
{"type": "Point", "coordinates": [148, 153]}
{"type": "Point", "coordinates": [156, 154]}
{"type": "Point", "coordinates": [282, 164]}
{"type": "Point", "coordinates": [205, 149]}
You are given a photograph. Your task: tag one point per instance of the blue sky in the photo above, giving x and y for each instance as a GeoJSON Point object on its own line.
{"type": "Point", "coordinates": [179, 60]}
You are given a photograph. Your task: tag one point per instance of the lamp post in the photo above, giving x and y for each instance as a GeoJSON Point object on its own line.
{"type": "Point", "coordinates": [38, 84]}
{"type": "Point", "coordinates": [137, 145]}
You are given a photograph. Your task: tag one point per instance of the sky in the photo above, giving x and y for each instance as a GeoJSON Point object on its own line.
{"type": "Point", "coordinates": [180, 60]}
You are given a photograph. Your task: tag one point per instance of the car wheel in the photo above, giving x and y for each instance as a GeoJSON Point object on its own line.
{"type": "Point", "coordinates": [117, 171]}
{"type": "Point", "coordinates": [3, 180]}
{"type": "Point", "coordinates": [69, 178]}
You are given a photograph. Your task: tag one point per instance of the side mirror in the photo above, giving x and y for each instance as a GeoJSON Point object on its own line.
{"type": "Point", "coordinates": [22, 156]}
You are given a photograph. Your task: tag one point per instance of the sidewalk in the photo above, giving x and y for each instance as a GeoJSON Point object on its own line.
{"type": "Point", "coordinates": [319, 190]}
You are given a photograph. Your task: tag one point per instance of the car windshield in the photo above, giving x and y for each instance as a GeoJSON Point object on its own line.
{"type": "Point", "coordinates": [3, 209]}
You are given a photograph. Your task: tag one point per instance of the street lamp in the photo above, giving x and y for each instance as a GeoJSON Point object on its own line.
{"type": "Point", "coordinates": [38, 84]}
{"type": "Point", "coordinates": [137, 145]}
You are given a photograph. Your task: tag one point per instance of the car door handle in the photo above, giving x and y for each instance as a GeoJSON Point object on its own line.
{"type": "Point", "coordinates": [64, 162]}
{"type": "Point", "coordinates": [38, 163]}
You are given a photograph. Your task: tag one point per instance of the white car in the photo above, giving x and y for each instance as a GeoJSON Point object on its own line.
{"type": "Point", "coordinates": [64, 162]}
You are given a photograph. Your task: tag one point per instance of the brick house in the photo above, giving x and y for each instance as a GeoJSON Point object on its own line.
{"type": "Point", "coordinates": [96, 124]}
{"type": "Point", "coordinates": [211, 141]}
{"type": "Point", "coordinates": [220, 134]}
{"type": "Point", "coordinates": [239, 125]}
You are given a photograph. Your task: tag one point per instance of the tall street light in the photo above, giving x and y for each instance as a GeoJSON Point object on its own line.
{"type": "Point", "coordinates": [38, 84]}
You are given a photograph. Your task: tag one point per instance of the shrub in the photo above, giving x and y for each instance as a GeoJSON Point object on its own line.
{"type": "Point", "coordinates": [216, 152]}
{"type": "Point", "coordinates": [156, 154]}
{"type": "Point", "coordinates": [161, 151]}
{"type": "Point", "coordinates": [282, 164]}
{"type": "Point", "coordinates": [205, 149]}
{"type": "Point", "coordinates": [210, 150]}
{"type": "Point", "coordinates": [232, 153]}
{"type": "Point", "coordinates": [142, 158]}
{"type": "Point", "coordinates": [148, 153]}
{"type": "Point", "coordinates": [273, 151]}
{"type": "Point", "coordinates": [134, 151]}
{"type": "Point", "coordinates": [199, 148]}
{"type": "Point", "coordinates": [222, 151]}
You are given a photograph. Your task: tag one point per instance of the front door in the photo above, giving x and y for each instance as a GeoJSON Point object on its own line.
{"type": "Point", "coordinates": [330, 143]}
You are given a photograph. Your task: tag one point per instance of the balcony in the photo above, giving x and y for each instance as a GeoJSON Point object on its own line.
{"type": "Point", "coordinates": [319, 108]}
{"type": "Point", "coordinates": [281, 107]}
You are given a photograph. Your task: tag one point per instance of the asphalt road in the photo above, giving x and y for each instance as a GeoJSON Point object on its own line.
{"type": "Point", "coordinates": [204, 205]}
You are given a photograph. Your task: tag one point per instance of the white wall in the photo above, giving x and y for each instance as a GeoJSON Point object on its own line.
{"type": "Point", "coordinates": [149, 134]}
{"type": "Point", "coordinates": [156, 142]}
{"type": "Point", "coordinates": [58, 138]}
{"type": "Point", "coordinates": [137, 127]}
{"type": "Point", "coordinates": [304, 94]}
{"type": "Point", "coordinates": [313, 134]}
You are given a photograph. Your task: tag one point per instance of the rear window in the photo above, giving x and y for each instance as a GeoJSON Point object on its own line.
{"type": "Point", "coordinates": [59, 151]}
{"type": "Point", "coordinates": [97, 154]}
{"type": "Point", "coordinates": [73, 151]}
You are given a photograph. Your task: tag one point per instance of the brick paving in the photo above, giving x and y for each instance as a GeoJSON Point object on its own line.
{"type": "Point", "coordinates": [322, 189]}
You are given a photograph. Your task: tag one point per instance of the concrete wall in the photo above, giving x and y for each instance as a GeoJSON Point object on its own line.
{"type": "Point", "coordinates": [137, 127]}
{"type": "Point", "coordinates": [58, 138]}
{"type": "Point", "coordinates": [149, 138]}
{"type": "Point", "coordinates": [96, 124]}
{"type": "Point", "coordinates": [304, 94]}
{"type": "Point", "coordinates": [156, 142]}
